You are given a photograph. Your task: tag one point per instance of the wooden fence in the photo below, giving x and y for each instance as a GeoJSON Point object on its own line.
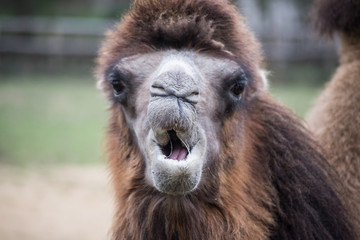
{"type": "Point", "coordinates": [284, 34]}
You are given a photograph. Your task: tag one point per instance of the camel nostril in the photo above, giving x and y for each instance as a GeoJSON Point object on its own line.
{"type": "Point", "coordinates": [158, 90]}
{"type": "Point", "coordinates": [157, 86]}
{"type": "Point", "coordinates": [178, 83]}
{"type": "Point", "coordinates": [192, 97]}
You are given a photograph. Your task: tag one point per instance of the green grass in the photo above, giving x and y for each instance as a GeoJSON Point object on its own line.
{"type": "Point", "coordinates": [298, 97]}
{"type": "Point", "coordinates": [47, 120]}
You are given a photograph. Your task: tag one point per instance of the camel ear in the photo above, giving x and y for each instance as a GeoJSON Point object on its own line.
{"type": "Point", "coordinates": [261, 85]}
{"type": "Point", "coordinates": [100, 80]}
{"type": "Point", "coordinates": [264, 83]}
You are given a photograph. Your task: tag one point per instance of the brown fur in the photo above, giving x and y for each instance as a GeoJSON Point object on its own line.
{"type": "Point", "coordinates": [335, 118]}
{"type": "Point", "coordinates": [272, 189]}
{"type": "Point", "coordinates": [202, 25]}
{"type": "Point", "coordinates": [269, 180]}
{"type": "Point", "coordinates": [333, 15]}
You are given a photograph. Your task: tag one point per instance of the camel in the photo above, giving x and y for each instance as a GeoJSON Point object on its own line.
{"type": "Point", "coordinates": [198, 148]}
{"type": "Point", "coordinates": [335, 117]}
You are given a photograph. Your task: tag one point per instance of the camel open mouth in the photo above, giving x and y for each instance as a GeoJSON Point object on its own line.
{"type": "Point", "coordinates": [175, 166]}
{"type": "Point", "coordinates": [175, 149]}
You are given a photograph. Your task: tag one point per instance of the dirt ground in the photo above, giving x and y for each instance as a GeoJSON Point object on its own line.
{"type": "Point", "coordinates": [73, 202]}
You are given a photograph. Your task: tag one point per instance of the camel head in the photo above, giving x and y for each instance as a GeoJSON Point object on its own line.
{"type": "Point", "coordinates": [176, 91]}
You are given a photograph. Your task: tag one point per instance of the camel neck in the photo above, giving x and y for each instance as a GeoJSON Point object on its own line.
{"type": "Point", "coordinates": [350, 49]}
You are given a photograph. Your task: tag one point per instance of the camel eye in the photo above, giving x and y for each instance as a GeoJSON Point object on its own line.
{"type": "Point", "coordinates": [118, 87]}
{"type": "Point", "coordinates": [115, 80]}
{"type": "Point", "coordinates": [118, 80]}
{"type": "Point", "coordinates": [237, 89]}
{"type": "Point", "coordinates": [237, 82]}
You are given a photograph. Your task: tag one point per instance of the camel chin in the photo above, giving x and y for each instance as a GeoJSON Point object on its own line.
{"type": "Point", "coordinates": [177, 171]}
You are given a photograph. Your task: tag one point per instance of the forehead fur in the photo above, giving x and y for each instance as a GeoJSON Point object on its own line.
{"type": "Point", "coordinates": [212, 26]}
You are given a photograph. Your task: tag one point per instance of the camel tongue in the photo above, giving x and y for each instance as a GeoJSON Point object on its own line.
{"type": "Point", "coordinates": [179, 152]}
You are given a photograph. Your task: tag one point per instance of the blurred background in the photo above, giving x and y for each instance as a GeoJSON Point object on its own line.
{"type": "Point", "coordinates": [53, 178]}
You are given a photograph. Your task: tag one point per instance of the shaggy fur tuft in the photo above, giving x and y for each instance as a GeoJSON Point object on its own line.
{"type": "Point", "coordinates": [212, 26]}
{"type": "Point", "coordinates": [337, 16]}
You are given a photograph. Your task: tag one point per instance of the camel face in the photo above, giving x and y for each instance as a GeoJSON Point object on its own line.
{"type": "Point", "coordinates": [174, 101]}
